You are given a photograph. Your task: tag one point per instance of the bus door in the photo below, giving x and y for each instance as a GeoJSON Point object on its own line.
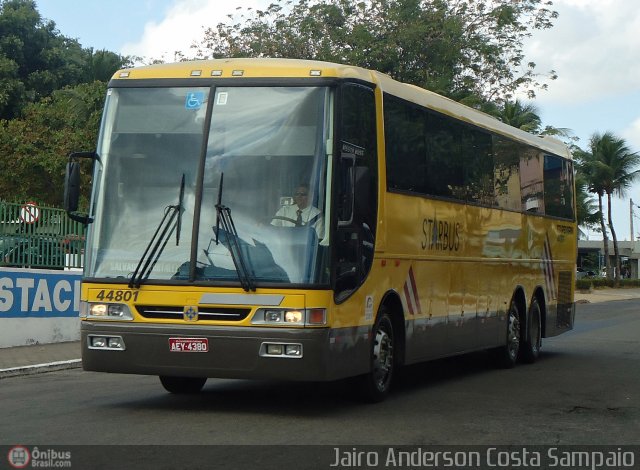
{"type": "Point", "coordinates": [355, 193]}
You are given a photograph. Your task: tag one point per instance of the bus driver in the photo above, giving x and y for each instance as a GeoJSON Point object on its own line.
{"type": "Point", "coordinates": [301, 213]}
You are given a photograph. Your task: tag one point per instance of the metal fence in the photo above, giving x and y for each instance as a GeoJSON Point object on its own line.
{"type": "Point", "coordinates": [33, 236]}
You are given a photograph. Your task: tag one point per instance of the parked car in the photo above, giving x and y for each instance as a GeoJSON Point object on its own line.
{"type": "Point", "coordinates": [582, 273]}
{"type": "Point", "coordinates": [31, 252]}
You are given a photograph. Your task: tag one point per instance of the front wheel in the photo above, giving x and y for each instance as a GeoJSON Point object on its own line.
{"type": "Point", "coordinates": [377, 383]}
{"type": "Point", "coordinates": [181, 385]}
{"type": "Point", "coordinates": [530, 350]}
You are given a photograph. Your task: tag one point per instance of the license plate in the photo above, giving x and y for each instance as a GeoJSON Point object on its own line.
{"type": "Point", "coordinates": [188, 345]}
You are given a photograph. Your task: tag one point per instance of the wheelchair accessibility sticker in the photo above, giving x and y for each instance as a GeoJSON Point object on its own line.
{"type": "Point", "coordinates": [194, 100]}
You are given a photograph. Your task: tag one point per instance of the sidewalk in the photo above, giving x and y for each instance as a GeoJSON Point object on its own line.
{"type": "Point", "coordinates": [24, 360]}
{"type": "Point", "coordinates": [606, 294]}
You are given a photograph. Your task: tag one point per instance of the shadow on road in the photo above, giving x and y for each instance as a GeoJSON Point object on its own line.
{"type": "Point", "coordinates": [322, 398]}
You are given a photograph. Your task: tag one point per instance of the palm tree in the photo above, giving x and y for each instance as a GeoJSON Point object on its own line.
{"type": "Point", "coordinates": [587, 214]}
{"type": "Point", "coordinates": [615, 165]}
{"type": "Point", "coordinates": [527, 118]}
{"type": "Point", "coordinates": [589, 169]}
{"type": "Point", "coordinates": [563, 133]}
{"type": "Point", "coordinates": [520, 115]}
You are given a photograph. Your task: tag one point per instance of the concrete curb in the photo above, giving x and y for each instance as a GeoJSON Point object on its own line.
{"type": "Point", "coordinates": [40, 368]}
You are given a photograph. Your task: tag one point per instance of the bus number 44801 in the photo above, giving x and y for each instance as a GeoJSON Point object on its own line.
{"type": "Point", "coordinates": [117, 295]}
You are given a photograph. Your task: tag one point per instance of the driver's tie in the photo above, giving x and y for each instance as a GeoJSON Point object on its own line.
{"type": "Point", "coordinates": [299, 218]}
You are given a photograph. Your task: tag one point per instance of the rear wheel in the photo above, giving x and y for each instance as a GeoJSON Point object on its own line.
{"type": "Point", "coordinates": [182, 384]}
{"type": "Point", "coordinates": [377, 383]}
{"type": "Point", "coordinates": [507, 355]}
{"type": "Point", "coordinates": [533, 342]}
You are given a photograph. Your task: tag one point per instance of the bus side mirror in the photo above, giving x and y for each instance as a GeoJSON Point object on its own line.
{"type": "Point", "coordinates": [72, 187]}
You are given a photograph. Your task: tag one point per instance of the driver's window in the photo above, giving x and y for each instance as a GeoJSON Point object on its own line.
{"type": "Point", "coordinates": [355, 189]}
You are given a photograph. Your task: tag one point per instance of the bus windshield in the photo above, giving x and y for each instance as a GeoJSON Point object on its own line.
{"type": "Point", "coordinates": [259, 153]}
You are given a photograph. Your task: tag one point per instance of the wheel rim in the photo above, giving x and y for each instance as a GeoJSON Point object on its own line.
{"type": "Point", "coordinates": [513, 335]}
{"type": "Point", "coordinates": [382, 358]}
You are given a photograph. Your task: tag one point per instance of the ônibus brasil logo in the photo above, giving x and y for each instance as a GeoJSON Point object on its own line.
{"type": "Point", "coordinates": [19, 457]}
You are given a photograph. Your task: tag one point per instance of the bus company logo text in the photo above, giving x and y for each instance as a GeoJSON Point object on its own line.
{"type": "Point", "coordinates": [589, 458]}
{"type": "Point", "coordinates": [439, 235]}
{"type": "Point", "coordinates": [23, 457]}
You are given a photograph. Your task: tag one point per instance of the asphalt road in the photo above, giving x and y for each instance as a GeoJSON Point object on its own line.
{"type": "Point", "coordinates": [585, 389]}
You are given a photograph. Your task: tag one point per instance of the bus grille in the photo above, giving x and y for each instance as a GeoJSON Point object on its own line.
{"type": "Point", "coordinates": [204, 313]}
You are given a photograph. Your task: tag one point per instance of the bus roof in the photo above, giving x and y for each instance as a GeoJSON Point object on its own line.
{"type": "Point", "coordinates": [250, 68]}
{"type": "Point", "coordinates": [297, 68]}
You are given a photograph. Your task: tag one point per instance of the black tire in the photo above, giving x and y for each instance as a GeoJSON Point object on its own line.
{"type": "Point", "coordinates": [376, 385]}
{"type": "Point", "coordinates": [531, 344]}
{"type": "Point", "coordinates": [182, 385]}
{"type": "Point", "coordinates": [507, 356]}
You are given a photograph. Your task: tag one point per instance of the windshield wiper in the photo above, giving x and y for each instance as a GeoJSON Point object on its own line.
{"type": "Point", "coordinates": [224, 219]}
{"type": "Point", "coordinates": [171, 221]}
{"type": "Point", "coordinates": [180, 210]}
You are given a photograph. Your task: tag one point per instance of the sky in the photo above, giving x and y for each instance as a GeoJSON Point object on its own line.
{"type": "Point", "coordinates": [594, 47]}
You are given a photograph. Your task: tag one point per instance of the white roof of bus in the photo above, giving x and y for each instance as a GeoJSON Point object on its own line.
{"type": "Point", "coordinates": [295, 68]}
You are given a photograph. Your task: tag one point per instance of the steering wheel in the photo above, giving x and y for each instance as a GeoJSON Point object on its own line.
{"type": "Point", "coordinates": [287, 219]}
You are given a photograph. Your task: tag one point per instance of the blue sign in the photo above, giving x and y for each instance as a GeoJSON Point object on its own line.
{"type": "Point", "coordinates": [42, 295]}
{"type": "Point", "coordinates": [194, 100]}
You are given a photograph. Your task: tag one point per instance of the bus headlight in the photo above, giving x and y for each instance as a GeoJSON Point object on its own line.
{"type": "Point", "coordinates": [273, 316]}
{"type": "Point", "coordinates": [293, 316]}
{"type": "Point", "coordinates": [290, 317]}
{"type": "Point", "coordinates": [104, 311]}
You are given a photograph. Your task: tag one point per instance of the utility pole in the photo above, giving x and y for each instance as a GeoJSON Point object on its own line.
{"type": "Point", "coordinates": [635, 266]}
{"type": "Point", "coordinates": [631, 219]}
{"type": "Point", "coordinates": [631, 206]}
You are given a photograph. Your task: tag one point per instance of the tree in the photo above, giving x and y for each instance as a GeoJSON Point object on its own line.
{"type": "Point", "coordinates": [33, 148]}
{"type": "Point", "coordinates": [591, 171]}
{"type": "Point", "coordinates": [101, 65]}
{"type": "Point", "coordinates": [468, 50]}
{"type": "Point", "coordinates": [35, 59]}
{"type": "Point", "coordinates": [587, 214]}
{"type": "Point", "coordinates": [611, 168]}
{"type": "Point", "coordinates": [526, 116]}
{"type": "Point", "coordinates": [520, 115]}
{"type": "Point", "coordinates": [44, 111]}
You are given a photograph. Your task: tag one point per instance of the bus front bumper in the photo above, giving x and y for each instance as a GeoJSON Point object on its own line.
{"type": "Point", "coordinates": [232, 352]}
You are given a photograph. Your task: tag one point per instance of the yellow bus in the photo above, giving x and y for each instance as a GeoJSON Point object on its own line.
{"type": "Point", "coordinates": [303, 220]}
